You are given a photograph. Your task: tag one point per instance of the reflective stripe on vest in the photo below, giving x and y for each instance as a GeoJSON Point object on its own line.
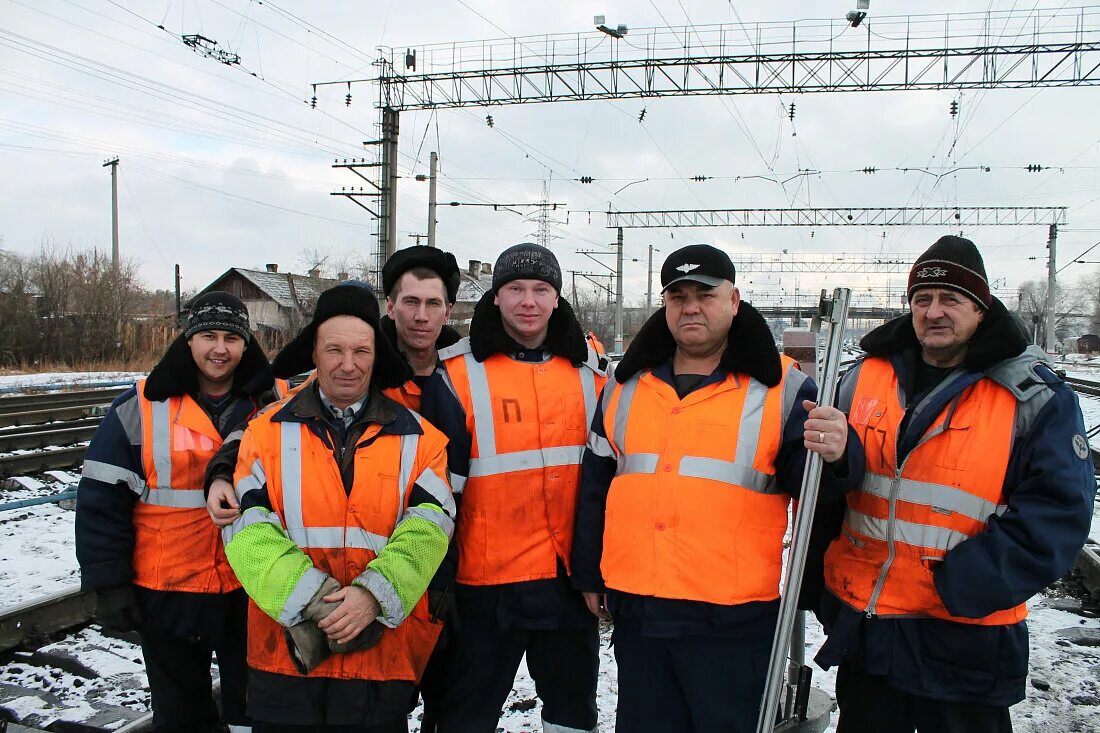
{"type": "Point", "coordinates": [331, 537]}
{"type": "Point", "coordinates": [738, 472]}
{"type": "Point", "coordinates": [489, 462]}
{"type": "Point", "coordinates": [161, 492]}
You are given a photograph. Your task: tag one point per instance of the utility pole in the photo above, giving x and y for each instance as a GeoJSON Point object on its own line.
{"type": "Point", "coordinates": [619, 291]}
{"type": "Point", "coordinates": [387, 233]}
{"type": "Point", "coordinates": [649, 285]}
{"type": "Point", "coordinates": [431, 200]}
{"type": "Point", "coordinates": [113, 163]}
{"type": "Point", "coordinates": [179, 321]}
{"type": "Point", "coordinates": [1052, 288]}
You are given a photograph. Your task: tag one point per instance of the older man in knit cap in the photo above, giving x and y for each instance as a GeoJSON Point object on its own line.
{"type": "Point", "coordinates": [515, 399]}
{"type": "Point", "coordinates": [346, 514]}
{"type": "Point", "coordinates": [978, 493]}
{"type": "Point", "coordinates": [143, 539]}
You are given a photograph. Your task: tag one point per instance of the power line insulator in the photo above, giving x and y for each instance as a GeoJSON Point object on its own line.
{"type": "Point", "coordinates": [954, 107]}
{"type": "Point", "coordinates": [1034, 168]}
{"type": "Point", "coordinates": [869, 169]}
{"type": "Point", "coordinates": [489, 120]}
{"type": "Point", "coordinates": [790, 112]}
{"type": "Point", "coordinates": [585, 179]}
{"type": "Point", "coordinates": [701, 178]}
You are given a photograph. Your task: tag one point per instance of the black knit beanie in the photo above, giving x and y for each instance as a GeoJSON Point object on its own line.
{"type": "Point", "coordinates": [527, 261]}
{"type": "Point", "coordinates": [955, 263]}
{"type": "Point", "coordinates": [218, 311]}
{"type": "Point", "coordinates": [440, 262]}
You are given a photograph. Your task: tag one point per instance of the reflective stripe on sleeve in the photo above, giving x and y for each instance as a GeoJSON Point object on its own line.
{"type": "Point", "coordinates": [306, 587]}
{"type": "Point", "coordinates": [254, 515]}
{"type": "Point", "coordinates": [255, 480]}
{"type": "Point", "coordinates": [439, 519]}
{"type": "Point", "coordinates": [111, 474]}
{"type": "Point", "coordinates": [438, 488]}
{"type": "Point", "coordinates": [458, 482]}
{"type": "Point", "coordinates": [599, 445]}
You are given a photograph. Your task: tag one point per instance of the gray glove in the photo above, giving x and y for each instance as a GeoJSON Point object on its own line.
{"type": "Point", "coordinates": [365, 639]}
{"type": "Point", "coordinates": [307, 644]}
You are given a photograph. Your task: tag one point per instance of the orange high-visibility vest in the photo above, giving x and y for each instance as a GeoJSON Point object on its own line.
{"type": "Point", "coordinates": [903, 520]}
{"type": "Point", "coordinates": [176, 547]}
{"type": "Point", "coordinates": [528, 423]}
{"type": "Point", "coordinates": [343, 533]}
{"type": "Point", "coordinates": [694, 511]}
{"type": "Point", "coordinates": [282, 388]}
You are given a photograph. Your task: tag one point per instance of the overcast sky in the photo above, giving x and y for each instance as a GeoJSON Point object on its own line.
{"type": "Point", "coordinates": [230, 166]}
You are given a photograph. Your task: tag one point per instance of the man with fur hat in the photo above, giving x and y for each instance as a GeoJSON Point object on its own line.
{"type": "Point", "coordinates": [143, 539]}
{"type": "Point", "coordinates": [421, 286]}
{"type": "Point", "coordinates": [346, 514]}
{"type": "Point", "coordinates": [514, 399]}
{"type": "Point", "coordinates": [978, 494]}
{"type": "Point", "coordinates": [692, 460]}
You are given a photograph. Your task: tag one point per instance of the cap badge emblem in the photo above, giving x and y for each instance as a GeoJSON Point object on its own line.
{"type": "Point", "coordinates": [686, 267]}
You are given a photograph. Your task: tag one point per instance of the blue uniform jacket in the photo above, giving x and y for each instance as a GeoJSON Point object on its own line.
{"type": "Point", "coordinates": [1050, 491]}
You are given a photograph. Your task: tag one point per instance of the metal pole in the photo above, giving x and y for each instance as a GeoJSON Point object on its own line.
{"type": "Point", "coordinates": [387, 231]}
{"type": "Point", "coordinates": [1052, 289]}
{"type": "Point", "coordinates": [113, 163]}
{"type": "Point", "coordinates": [179, 309]}
{"type": "Point", "coordinates": [649, 285]}
{"type": "Point", "coordinates": [431, 200]}
{"type": "Point", "coordinates": [833, 312]}
{"type": "Point", "coordinates": [619, 291]}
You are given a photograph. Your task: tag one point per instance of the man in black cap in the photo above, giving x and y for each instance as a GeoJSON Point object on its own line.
{"type": "Point", "coordinates": [421, 285]}
{"type": "Point", "coordinates": [693, 457]}
{"type": "Point", "coordinates": [514, 400]}
{"type": "Point", "coordinates": [978, 494]}
{"type": "Point", "coordinates": [346, 514]}
{"type": "Point", "coordinates": [143, 540]}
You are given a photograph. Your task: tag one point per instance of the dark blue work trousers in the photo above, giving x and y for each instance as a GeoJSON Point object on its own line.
{"type": "Point", "coordinates": [689, 684]}
{"type": "Point", "coordinates": [480, 665]}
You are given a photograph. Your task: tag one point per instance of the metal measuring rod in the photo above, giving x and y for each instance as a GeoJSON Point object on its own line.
{"type": "Point", "coordinates": [832, 314]}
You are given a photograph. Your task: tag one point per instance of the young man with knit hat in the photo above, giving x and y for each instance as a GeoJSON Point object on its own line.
{"type": "Point", "coordinates": [978, 493]}
{"type": "Point", "coordinates": [346, 514]}
{"type": "Point", "coordinates": [143, 539]}
{"type": "Point", "coordinates": [515, 399]}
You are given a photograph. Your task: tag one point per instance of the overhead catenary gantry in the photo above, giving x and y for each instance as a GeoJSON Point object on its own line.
{"type": "Point", "coordinates": [1047, 48]}
{"type": "Point", "coordinates": [1050, 47]}
{"type": "Point", "coordinates": [958, 216]}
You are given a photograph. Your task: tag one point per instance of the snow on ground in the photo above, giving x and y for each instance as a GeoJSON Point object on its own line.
{"type": "Point", "coordinates": [15, 382]}
{"type": "Point", "coordinates": [37, 558]}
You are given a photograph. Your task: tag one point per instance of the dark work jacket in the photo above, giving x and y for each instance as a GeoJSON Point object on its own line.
{"type": "Point", "coordinates": [1050, 492]}
{"type": "Point", "coordinates": [104, 517]}
{"type": "Point", "coordinates": [751, 352]}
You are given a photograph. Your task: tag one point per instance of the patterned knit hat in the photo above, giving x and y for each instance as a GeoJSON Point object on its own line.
{"type": "Point", "coordinates": [527, 261]}
{"type": "Point", "coordinates": [218, 311]}
{"type": "Point", "coordinates": [955, 263]}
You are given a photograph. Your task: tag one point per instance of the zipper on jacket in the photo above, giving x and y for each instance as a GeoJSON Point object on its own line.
{"type": "Point", "coordinates": [895, 489]}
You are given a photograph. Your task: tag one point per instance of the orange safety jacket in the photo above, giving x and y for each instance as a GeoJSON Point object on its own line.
{"type": "Point", "coordinates": [408, 394]}
{"type": "Point", "coordinates": [342, 533]}
{"type": "Point", "coordinates": [528, 423]}
{"type": "Point", "coordinates": [694, 511]}
{"type": "Point", "coordinates": [176, 547]}
{"type": "Point", "coordinates": [904, 519]}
